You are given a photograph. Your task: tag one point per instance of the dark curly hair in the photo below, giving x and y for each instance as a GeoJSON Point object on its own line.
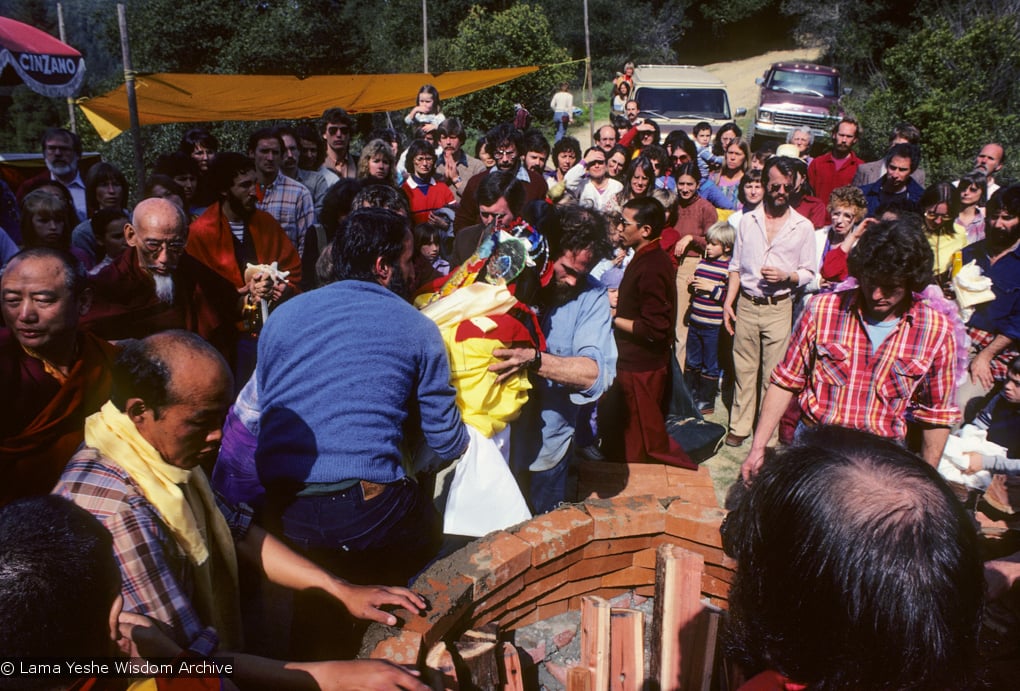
{"type": "Point", "coordinates": [893, 252]}
{"type": "Point", "coordinates": [572, 228]}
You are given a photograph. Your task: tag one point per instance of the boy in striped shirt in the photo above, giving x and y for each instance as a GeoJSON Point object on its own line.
{"type": "Point", "coordinates": [708, 291]}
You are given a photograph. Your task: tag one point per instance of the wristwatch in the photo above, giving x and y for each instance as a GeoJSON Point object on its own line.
{"type": "Point", "coordinates": [536, 362]}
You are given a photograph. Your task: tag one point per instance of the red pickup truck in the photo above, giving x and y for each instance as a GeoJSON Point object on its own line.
{"type": "Point", "coordinates": [797, 95]}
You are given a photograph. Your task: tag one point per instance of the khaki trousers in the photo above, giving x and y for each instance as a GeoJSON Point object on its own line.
{"type": "Point", "coordinates": [683, 300]}
{"type": "Point", "coordinates": [761, 335]}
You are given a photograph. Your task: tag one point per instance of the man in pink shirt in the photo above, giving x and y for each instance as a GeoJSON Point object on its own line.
{"type": "Point", "coordinates": [774, 254]}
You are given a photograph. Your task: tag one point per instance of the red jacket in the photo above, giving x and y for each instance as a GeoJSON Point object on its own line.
{"type": "Point", "coordinates": [211, 242]}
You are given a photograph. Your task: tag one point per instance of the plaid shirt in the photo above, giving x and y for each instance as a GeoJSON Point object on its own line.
{"type": "Point", "coordinates": [841, 383]}
{"type": "Point", "coordinates": [290, 203]}
{"type": "Point", "coordinates": [156, 574]}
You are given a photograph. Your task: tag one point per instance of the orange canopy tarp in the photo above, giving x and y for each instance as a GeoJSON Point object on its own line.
{"type": "Point", "coordinates": [166, 97]}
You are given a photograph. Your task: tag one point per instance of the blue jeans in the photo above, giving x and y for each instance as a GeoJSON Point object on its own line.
{"type": "Point", "coordinates": [386, 539]}
{"type": "Point", "coordinates": [547, 488]}
{"type": "Point", "coordinates": [703, 349]}
{"type": "Point", "coordinates": [561, 126]}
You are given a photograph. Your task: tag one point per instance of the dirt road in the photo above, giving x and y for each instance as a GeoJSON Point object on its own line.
{"type": "Point", "coordinates": [739, 75]}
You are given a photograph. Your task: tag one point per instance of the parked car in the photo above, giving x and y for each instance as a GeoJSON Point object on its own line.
{"type": "Point", "coordinates": [681, 96]}
{"type": "Point", "coordinates": [796, 95]}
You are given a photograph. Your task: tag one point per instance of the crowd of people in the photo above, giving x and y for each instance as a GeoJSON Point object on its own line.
{"type": "Point", "coordinates": [272, 364]}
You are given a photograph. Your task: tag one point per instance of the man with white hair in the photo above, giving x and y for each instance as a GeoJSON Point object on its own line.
{"type": "Point", "coordinates": [155, 285]}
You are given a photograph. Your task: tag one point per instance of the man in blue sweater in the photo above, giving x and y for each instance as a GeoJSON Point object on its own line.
{"type": "Point", "coordinates": [351, 379]}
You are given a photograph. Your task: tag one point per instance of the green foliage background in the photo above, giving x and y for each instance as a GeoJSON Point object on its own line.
{"type": "Point", "coordinates": [952, 69]}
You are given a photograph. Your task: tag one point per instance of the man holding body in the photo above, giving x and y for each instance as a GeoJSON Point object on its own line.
{"type": "Point", "coordinates": [505, 143]}
{"type": "Point", "coordinates": [580, 359]}
{"type": "Point", "coordinates": [177, 545]}
{"type": "Point", "coordinates": [286, 200]}
{"type": "Point", "coordinates": [837, 167]}
{"type": "Point", "coordinates": [155, 285]}
{"type": "Point", "coordinates": [311, 178]}
{"type": "Point", "coordinates": [61, 151]}
{"type": "Point", "coordinates": [335, 127]}
{"type": "Point", "coordinates": [773, 255]}
{"type": "Point", "coordinates": [342, 371]}
{"type": "Point", "coordinates": [871, 357]}
{"type": "Point", "coordinates": [52, 375]}
{"type": "Point", "coordinates": [900, 162]}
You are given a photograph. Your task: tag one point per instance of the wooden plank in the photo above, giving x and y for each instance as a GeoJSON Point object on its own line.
{"type": "Point", "coordinates": [580, 679]}
{"type": "Point", "coordinates": [595, 638]}
{"type": "Point", "coordinates": [478, 663]}
{"type": "Point", "coordinates": [513, 678]}
{"type": "Point", "coordinates": [675, 616]}
{"type": "Point", "coordinates": [440, 670]}
{"type": "Point", "coordinates": [703, 681]}
{"type": "Point", "coordinates": [627, 650]}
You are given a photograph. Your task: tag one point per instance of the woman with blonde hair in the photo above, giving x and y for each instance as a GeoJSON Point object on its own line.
{"type": "Point", "coordinates": [377, 166]}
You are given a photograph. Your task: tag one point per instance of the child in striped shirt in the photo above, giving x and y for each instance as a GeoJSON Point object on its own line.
{"type": "Point", "coordinates": [708, 291]}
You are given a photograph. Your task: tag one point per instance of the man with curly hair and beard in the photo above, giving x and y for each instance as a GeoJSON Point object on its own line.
{"type": "Point", "coordinates": [580, 361]}
{"type": "Point", "coordinates": [872, 357]}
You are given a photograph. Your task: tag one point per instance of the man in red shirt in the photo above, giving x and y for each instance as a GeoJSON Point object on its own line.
{"type": "Point", "coordinates": [838, 167]}
{"type": "Point", "coordinates": [872, 357]}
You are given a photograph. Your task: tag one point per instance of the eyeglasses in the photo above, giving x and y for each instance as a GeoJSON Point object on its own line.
{"type": "Point", "coordinates": [337, 129]}
{"type": "Point", "coordinates": [56, 147]}
{"type": "Point", "coordinates": [932, 215]}
{"type": "Point", "coordinates": [625, 222]}
{"type": "Point", "coordinates": [681, 158]}
{"type": "Point", "coordinates": [784, 186]}
{"type": "Point", "coordinates": [597, 162]}
{"type": "Point", "coordinates": [171, 246]}
{"type": "Point", "coordinates": [505, 153]}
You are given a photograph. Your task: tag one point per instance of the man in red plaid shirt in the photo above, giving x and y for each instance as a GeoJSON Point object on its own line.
{"type": "Point", "coordinates": [873, 357]}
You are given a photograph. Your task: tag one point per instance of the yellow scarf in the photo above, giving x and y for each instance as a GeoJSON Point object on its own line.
{"type": "Point", "coordinates": [177, 494]}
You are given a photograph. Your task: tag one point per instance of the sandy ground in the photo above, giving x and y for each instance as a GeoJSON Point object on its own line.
{"type": "Point", "coordinates": [739, 75]}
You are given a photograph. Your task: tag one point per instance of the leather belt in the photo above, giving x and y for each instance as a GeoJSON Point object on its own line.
{"type": "Point", "coordinates": [766, 300]}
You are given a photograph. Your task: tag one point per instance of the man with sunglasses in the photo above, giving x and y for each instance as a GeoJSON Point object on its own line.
{"type": "Point", "coordinates": [336, 127]}
{"type": "Point", "coordinates": [774, 254]}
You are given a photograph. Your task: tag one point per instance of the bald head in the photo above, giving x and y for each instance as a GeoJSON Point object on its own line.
{"type": "Point", "coordinates": [158, 233]}
{"type": "Point", "coordinates": [990, 159]}
{"type": "Point", "coordinates": [606, 138]}
{"type": "Point", "coordinates": [176, 388]}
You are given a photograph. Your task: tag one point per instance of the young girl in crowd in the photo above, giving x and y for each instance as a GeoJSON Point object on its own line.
{"type": "Point", "coordinates": [46, 220]}
{"type": "Point", "coordinates": [427, 113]}
{"type": "Point", "coordinates": [428, 257]}
{"type": "Point", "coordinates": [108, 226]}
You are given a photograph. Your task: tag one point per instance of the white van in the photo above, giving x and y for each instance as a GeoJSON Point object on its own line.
{"type": "Point", "coordinates": [680, 96]}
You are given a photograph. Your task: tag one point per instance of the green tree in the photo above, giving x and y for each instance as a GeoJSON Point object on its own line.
{"type": "Point", "coordinates": [518, 36]}
{"type": "Point", "coordinates": [960, 88]}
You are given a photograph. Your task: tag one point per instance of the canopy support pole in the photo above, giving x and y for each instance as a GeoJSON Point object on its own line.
{"type": "Point", "coordinates": [590, 101]}
{"type": "Point", "coordinates": [129, 83]}
{"type": "Point", "coordinates": [63, 37]}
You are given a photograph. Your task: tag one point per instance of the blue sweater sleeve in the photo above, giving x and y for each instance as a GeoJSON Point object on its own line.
{"type": "Point", "coordinates": [441, 423]}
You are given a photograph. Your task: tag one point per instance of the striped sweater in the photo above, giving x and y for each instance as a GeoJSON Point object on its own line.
{"type": "Point", "coordinates": [706, 306]}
